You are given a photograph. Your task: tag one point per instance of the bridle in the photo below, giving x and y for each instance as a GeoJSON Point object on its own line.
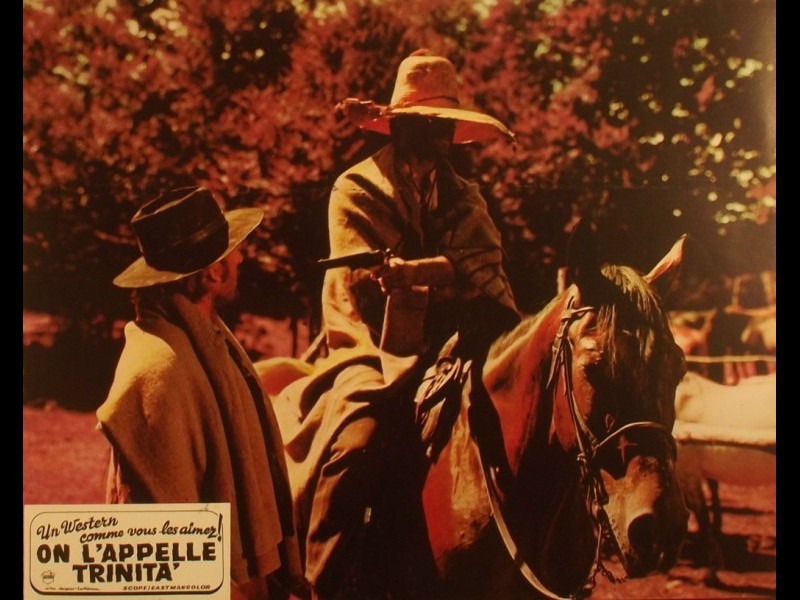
{"type": "Point", "coordinates": [589, 448]}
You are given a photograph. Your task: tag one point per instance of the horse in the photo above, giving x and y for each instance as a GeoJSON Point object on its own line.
{"type": "Point", "coordinates": [690, 328]}
{"type": "Point", "coordinates": [743, 331]}
{"type": "Point", "coordinates": [725, 433]}
{"type": "Point", "coordinates": [565, 453]}
{"type": "Point", "coordinates": [759, 336]}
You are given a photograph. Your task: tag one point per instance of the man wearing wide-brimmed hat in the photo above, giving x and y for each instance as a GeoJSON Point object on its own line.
{"type": "Point", "coordinates": [443, 273]}
{"type": "Point", "coordinates": [186, 417]}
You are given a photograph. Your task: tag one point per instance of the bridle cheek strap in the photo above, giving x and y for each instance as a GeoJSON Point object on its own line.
{"type": "Point", "coordinates": [588, 449]}
{"type": "Point", "coordinates": [588, 445]}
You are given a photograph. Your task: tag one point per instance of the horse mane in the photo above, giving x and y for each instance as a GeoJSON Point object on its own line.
{"type": "Point", "coordinates": [637, 312]}
{"type": "Point", "coordinates": [624, 302]}
{"type": "Point", "coordinates": [522, 329]}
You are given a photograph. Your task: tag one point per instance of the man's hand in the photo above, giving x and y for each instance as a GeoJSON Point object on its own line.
{"type": "Point", "coordinates": [400, 274]}
{"type": "Point", "coordinates": [395, 274]}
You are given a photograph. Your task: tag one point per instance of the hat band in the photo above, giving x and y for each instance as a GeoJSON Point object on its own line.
{"type": "Point", "coordinates": [191, 253]}
{"type": "Point", "coordinates": [417, 101]}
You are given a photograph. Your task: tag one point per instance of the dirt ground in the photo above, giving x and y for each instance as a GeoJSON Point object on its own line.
{"type": "Point", "coordinates": [65, 457]}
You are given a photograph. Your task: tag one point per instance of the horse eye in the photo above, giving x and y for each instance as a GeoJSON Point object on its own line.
{"type": "Point", "coordinates": [594, 371]}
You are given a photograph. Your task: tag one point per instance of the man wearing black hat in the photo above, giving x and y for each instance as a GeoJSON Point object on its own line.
{"type": "Point", "coordinates": [443, 273]}
{"type": "Point", "coordinates": [186, 417]}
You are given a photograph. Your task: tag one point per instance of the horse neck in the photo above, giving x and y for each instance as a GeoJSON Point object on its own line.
{"type": "Point", "coordinates": [546, 503]}
{"type": "Point", "coordinates": [515, 375]}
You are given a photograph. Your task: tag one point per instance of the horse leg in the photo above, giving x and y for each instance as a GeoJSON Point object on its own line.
{"type": "Point", "coordinates": [716, 507]}
{"type": "Point", "coordinates": [713, 556]}
{"type": "Point", "coordinates": [692, 484]}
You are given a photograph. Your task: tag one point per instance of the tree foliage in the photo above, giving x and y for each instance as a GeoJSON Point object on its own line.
{"type": "Point", "coordinates": [658, 118]}
{"type": "Point", "coordinates": [121, 100]}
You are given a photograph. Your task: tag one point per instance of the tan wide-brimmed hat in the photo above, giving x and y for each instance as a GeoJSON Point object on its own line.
{"type": "Point", "coordinates": [426, 85]}
{"type": "Point", "coordinates": [182, 232]}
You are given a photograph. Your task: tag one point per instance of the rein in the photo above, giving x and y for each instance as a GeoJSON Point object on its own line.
{"type": "Point", "coordinates": [590, 479]}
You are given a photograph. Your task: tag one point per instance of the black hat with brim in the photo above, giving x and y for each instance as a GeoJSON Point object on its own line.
{"type": "Point", "coordinates": [182, 232]}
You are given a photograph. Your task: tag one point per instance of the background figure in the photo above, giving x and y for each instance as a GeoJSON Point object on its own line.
{"type": "Point", "coordinates": [383, 324]}
{"type": "Point", "coordinates": [186, 416]}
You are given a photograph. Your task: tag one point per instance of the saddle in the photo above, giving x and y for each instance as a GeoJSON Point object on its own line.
{"type": "Point", "coordinates": [438, 399]}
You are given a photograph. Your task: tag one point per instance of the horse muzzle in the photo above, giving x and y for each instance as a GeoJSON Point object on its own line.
{"type": "Point", "coordinates": [646, 515]}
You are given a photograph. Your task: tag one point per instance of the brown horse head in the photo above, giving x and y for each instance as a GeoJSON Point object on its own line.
{"type": "Point", "coordinates": [614, 404]}
{"type": "Point", "coordinates": [585, 390]}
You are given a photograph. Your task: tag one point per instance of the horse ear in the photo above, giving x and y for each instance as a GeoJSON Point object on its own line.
{"type": "Point", "coordinates": [582, 264]}
{"type": "Point", "coordinates": [668, 267]}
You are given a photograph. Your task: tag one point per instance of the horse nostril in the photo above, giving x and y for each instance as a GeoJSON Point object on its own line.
{"type": "Point", "coordinates": [643, 536]}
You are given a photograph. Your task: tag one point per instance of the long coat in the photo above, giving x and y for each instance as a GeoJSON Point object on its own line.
{"type": "Point", "coordinates": [372, 206]}
{"type": "Point", "coordinates": [190, 436]}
